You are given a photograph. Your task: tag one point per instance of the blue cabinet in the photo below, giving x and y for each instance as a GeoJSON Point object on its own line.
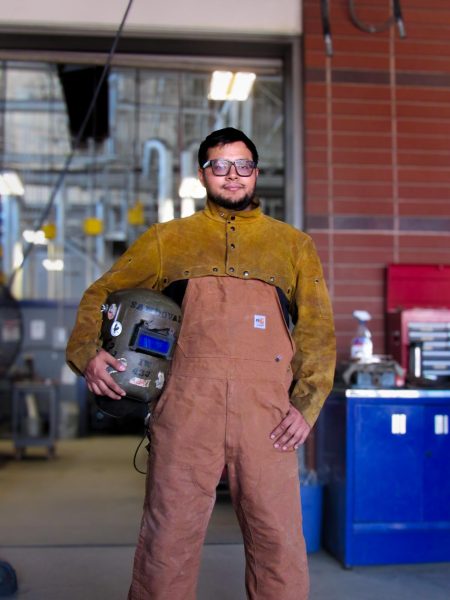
{"type": "Point", "coordinates": [436, 471]}
{"type": "Point", "coordinates": [385, 458]}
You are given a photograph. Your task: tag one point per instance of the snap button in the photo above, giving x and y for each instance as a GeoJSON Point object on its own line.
{"type": "Point", "coordinates": [231, 269]}
{"type": "Point", "coordinates": [232, 218]}
{"type": "Point", "coordinates": [232, 246]}
{"type": "Point", "coordinates": [233, 228]}
{"type": "Point", "coordinates": [165, 280]}
{"type": "Point", "coordinates": [272, 279]}
{"type": "Point", "coordinates": [215, 269]}
{"type": "Point", "coordinates": [186, 272]}
{"type": "Point", "coordinates": [278, 358]}
{"type": "Point", "coordinates": [246, 273]}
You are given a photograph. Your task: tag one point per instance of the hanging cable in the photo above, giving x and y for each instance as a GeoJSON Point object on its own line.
{"type": "Point", "coordinates": [397, 9]}
{"type": "Point", "coordinates": [325, 11]}
{"type": "Point", "coordinates": [137, 451]}
{"type": "Point", "coordinates": [396, 17]}
{"type": "Point", "coordinates": [145, 436]}
{"type": "Point", "coordinates": [76, 143]}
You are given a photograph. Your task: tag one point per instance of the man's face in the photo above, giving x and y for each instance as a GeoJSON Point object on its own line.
{"type": "Point", "coordinates": [231, 191]}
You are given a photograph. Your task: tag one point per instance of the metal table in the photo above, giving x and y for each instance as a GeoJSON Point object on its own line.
{"type": "Point", "coordinates": [34, 416]}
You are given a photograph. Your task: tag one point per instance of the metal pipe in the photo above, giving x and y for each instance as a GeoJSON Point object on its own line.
{"type": "Point", "coordinates": [165, 173]}
{"type": "Point", "coordinates": [396, 17]}
{"type": "Point", "coordinates": [188, 161]}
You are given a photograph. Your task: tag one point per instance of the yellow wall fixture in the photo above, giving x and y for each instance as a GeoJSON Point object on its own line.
{"type": "Point", "coordinates": [49, 230]}
{"type": "Point", "coordinates": [136, 214]}
{"type": "Point", "coordinates": [92, 226]}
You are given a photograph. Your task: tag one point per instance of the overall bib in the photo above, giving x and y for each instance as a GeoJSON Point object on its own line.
{"type": "Point", "coordinates": [227, 391]}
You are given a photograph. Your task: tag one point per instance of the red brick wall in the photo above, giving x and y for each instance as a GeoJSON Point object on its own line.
{"type": "Point", "coordinates": [377, 150]}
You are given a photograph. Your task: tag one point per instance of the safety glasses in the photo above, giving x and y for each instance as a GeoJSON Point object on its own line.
{"type": "Point", "coordinates": [221, 167]}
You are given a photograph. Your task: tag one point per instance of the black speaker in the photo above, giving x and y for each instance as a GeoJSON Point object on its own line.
{"type": "Point", "coordinates": [79, 84]}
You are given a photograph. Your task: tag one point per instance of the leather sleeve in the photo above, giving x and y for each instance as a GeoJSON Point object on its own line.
{"type": "Point", "coordinates": [139, 266]}
{"type": "Point", "coordinates": [314, 362]}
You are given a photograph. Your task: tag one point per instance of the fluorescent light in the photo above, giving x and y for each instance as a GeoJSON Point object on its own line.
{"type": "Point", "coordinates": [35, 237]}
{"type": "Point", "coordinates": [10, 184]}
{"type": "Point", "coordinates": [220, 84]}
{"type": "Point", "coordinates": [56, 264]}
{"type": "Point", "coordinates": [191, 188]}
{"type": "Point", "coordinates": [242, 85]}
{"type": "Point", "coordinates": [226, 85]}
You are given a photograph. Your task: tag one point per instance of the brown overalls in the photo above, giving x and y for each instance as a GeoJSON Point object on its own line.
{"type": "Point", "coordinates": [227, 391]}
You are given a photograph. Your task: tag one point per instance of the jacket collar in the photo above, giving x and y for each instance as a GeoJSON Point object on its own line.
{"type": "Point", "coordinates": [213, 211]}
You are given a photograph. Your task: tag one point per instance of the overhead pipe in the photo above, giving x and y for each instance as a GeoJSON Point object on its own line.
{"type": "Point", "coordinates": [188, 161]}
{"type": "Point", "coordinates": [188, 173]}
{"type": "Point", "coordinates": [165, 175]}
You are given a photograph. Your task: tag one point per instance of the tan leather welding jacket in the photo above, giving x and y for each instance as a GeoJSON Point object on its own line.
{"type": "Point", "coordinates": [219, 242]}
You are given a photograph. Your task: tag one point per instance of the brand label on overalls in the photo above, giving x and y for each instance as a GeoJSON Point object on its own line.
{"type": "Point", "coordinates": [159, 382]}
{"type": "Point", "coordinates": [259, 322]}
{"type": "Point", "coordinates": [144, 383]}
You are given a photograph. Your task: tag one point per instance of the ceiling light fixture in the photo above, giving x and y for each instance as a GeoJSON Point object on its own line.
{"type": "Point", "coordinates": [226, 85]}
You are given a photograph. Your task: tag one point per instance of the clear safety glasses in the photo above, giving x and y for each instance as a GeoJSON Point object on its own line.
{"type": "Point", "coordinates": [221, 167]}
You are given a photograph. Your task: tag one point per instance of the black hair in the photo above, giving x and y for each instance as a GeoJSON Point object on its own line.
{"type": "Point", "coordinates": [228, 135]}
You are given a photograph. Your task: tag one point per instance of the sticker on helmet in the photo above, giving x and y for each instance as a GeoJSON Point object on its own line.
{"type": "Point", "coordinates": [159, 383]}
{"type": "Point", "coordinates": [140, 382]}
{"type": "Point", "coordinates": [259, 322]}
{"type": "Point", "coordinates": [112, 309]}
{"type": "Point", "coordinates": [116, 328]}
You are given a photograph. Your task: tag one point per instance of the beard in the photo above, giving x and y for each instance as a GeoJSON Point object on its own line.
{"type": "Point", "coordinates": [241, 204]}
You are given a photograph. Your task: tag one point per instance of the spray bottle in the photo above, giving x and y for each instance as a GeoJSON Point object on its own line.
{"type": "Point", "coordinates": [362, 346]}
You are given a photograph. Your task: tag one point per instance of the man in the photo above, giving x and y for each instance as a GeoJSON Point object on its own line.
{"type": "Point", "coordinates": [229, 398]}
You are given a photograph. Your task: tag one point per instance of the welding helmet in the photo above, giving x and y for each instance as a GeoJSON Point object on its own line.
{"type": "Point", "coordinates": [140, 328]}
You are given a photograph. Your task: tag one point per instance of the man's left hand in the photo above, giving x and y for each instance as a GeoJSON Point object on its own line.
{"type": "Point", "coordinates": [291, 432]}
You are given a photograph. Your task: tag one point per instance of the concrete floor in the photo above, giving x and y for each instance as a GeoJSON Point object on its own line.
{"type": "Point", "coordinates": [69, 526]}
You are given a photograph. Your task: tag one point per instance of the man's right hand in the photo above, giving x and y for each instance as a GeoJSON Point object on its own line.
{"type": "Point", "coordinates": [98, 380]}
